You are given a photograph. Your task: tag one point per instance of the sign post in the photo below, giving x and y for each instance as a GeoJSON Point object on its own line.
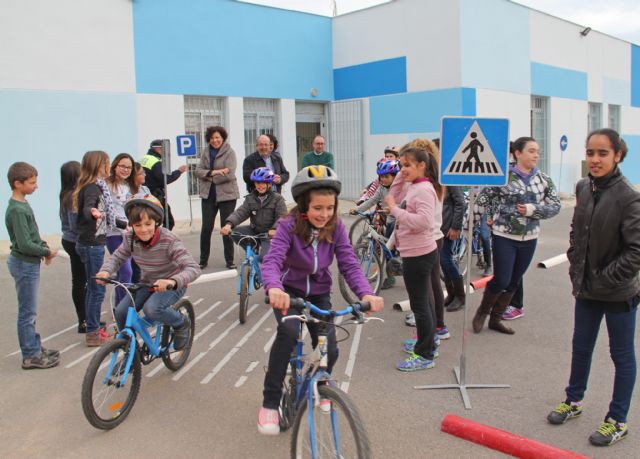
{"type": "Point", "coordinates": [564, 142]}
{"type": "Point", "coordinates": [166, 169]}
{"type": "Point", "coordinates": [474, 152]}
{"type": "Point", "coordinates": [186, 146]}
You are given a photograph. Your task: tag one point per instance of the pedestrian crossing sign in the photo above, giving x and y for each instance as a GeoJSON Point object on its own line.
{"type": "Point", "coordinates": [474, 151]}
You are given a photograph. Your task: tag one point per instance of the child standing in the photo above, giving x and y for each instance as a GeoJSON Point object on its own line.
{"type": "Point", "coordinates": [262, 206]}
{"type": "Point", "coordinates": [92, 201]}
{"type": "Point", "coordinates": [27, 251]}
{"type": "Point", "coordinates": [165, 263]}
{"type": "Point", "coordinates": [299, 264]}
{"type": "Point", "coordinates": [417, 186]}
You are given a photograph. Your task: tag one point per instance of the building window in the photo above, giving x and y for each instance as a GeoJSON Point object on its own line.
{"type": "Point", "coordinates": [346, 139]}
{"type": "Point", "coordinates": [614, 117]}
{"type": "Point", "coordinates": [260, 117]}
{"type": "Point", "coordinates": [595, 116]}
{"type": "Point", "coordinates": [199, 114]}
{"type": "Point", "coordinates": [540, 129]}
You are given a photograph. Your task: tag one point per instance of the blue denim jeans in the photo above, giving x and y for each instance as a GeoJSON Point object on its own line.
{"type": "Point", "coordinates": [511, 259]}
{"type": "Point", "coordinates": [27, 278]}
{"type": "Point", "coordinates": [125, 272]}
{"type": "Point", "coordinates": [621, 328]}
{"type": "Point", "coordinates": [155, 305]}
{"type": "Point", "coordinates": [92, 256]}
{"type": "Point", "coordinates": [449, 268]}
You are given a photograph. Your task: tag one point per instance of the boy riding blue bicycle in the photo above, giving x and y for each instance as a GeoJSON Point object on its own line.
{"type": "Point", "coordinates": [165, 263]}
{"type": "Point", "coordinates": [263, 207]}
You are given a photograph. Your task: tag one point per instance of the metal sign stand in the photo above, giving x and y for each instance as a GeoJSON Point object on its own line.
{"type": "Point", "coordinates": [461, 371]}
{"type": "Point", "coordinates": [166, 169]}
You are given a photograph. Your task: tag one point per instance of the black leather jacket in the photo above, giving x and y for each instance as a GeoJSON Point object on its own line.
{"type": "Point", "coordinates": [604, 244]}
{"type": "Point", "coordinates": [453, 208]}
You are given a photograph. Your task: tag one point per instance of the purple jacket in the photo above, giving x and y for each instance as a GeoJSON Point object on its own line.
{"type": "Point", "coordinates": [296, 264]}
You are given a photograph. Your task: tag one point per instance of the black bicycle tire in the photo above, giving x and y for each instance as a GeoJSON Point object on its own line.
{"type": "Point", "coordinates": [133, 385]}
{"type": "Point", "coordinates": [351, 413]}
{"type": "Point", "coordinates": [346, 292]}
{"type": "Point", "coordinates": [353, 238]}
{"type": "Point", "coordinates": [244, 293]}
{"type": "Point", "coordinates": [167, 357]}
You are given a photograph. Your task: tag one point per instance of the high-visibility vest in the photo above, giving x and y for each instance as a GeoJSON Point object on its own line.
{"type": "Point", "coordinates": [148, 161]}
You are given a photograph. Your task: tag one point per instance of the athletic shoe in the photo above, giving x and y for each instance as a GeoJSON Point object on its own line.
{"type": "Point", "coordinates": [443, 332]}
{"type": "Point", "coordinates": [40, 363]}
{"type": "Point", "coordinates": [388, 283]}
{"type": "Point", "coordinates": [410, 320]}
{"type": "Point", "coordinates": [408, 348]}
{"type": "Point", "coordinates": [181, 334]}
{"type": "Point", "coordinates": [512, 313]}
{"type": "Point", "coordinates": [563, 412]}
{"type": "Point", "coordinates": [50, 352]}
{"type": "Point", "coordinates": [415, 363]}
{"type": "Point", "coordinates": [609, 432]}
{"type": "Point", "coordinates": [268, 421]}
{"type": "Point", "coordinates": [412, 341]}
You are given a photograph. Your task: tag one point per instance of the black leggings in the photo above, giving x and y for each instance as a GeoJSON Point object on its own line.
{"type": "Point", "coordinates": [437, 295]}
{"type": "Point", "coordinates": [284, 344]}
{"type": "Point", "coordinates": [210, 208]}
{"type": "Point", "coordinates": [78, 279]}
{"type": "Point", "coordinates": [417, 280]}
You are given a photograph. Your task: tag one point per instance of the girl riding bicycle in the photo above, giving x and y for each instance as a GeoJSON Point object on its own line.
{"type": "Point", "coordinates": [262, 206]}
{"type": "Point", "coordinates": [299, 264]}
{"type": "Point", "coordinates": [165, 264]}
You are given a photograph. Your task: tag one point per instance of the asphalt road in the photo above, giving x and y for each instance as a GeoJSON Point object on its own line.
{"type": "Point", "coordinates": [210, 410]}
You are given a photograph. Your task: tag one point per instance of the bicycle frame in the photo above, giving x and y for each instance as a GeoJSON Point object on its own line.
{"type": "Point", "coordinates": [251, 259]}
{"type": "Point", "coordinates": [379, 239]}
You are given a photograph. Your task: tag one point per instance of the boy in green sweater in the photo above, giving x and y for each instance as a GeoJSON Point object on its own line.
{"type": "Point", "coordinates": [27, 251]}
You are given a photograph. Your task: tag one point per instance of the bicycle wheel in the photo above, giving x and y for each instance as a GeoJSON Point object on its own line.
{"type": "Point", "coordinates": [105, 402]}
{"type": "Point", "coordinates": [174, 360]}
{"type": "Point", "coordinates": [244, 293]}
{"type": "Point", "coordinates": [460, 254]}
{"type": "Point", "coordinates": [358, 228]}
{"type": "Point", "coordinates": [337, 433]}
{"type": "Point", "coordinates": [371, 267]}
{"type": "Point", "coordinates": [287, 408]}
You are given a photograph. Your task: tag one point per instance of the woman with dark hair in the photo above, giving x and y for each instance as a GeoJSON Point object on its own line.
{"type": "Point", "coordinates": [604, 261]}
{"type": "Point", "coordinates": [216, 172]}
{"type": "Point", "coordinates": [121, 169]}
{"type": "Point", "coordinates": [69, 173]}
{"type": "Point", "coordinates": [515, 211]}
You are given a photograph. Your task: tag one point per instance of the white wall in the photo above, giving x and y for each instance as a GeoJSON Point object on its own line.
{"type": "Point", "coordinates": [74, 45]}
{"type": "Point", "coordinates": [630, 121]}
{"type": "Point", "coordinates": [568, 117]}
{"type": "Point", "coordinates": [515, 107]}
{"type": "Point", "coordinates": [425, 31]}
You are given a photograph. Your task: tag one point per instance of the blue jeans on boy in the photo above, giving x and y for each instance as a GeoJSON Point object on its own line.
{"type": "Point", "coordinates": [511, 259]}
{"type": "Point", "coordinates": [621, 327]}
{"type": "Point", "coordinates": [92, 256]}
{"type": "Point", "coordinates": [27, 278]}
{"type": "Point", "coordinates": [155, 305]}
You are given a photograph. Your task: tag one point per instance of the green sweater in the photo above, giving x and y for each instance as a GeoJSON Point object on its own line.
{"type": "Point", "coordinates": [23, 232]}
{"type": "Point", "coordinates": [311, 159]}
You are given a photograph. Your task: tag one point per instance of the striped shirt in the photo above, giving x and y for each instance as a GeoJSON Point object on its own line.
{"type": "Point", "coordinates": [166, 258]}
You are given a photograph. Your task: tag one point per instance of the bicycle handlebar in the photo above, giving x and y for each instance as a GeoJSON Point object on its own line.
{"type": "Point", "coordinates": [129, 286]}
{"type": "Point", "coordinates": [356, 309]}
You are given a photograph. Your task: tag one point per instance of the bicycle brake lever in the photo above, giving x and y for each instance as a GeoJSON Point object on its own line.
{"type": "Point", "coordinates": [301, 318]}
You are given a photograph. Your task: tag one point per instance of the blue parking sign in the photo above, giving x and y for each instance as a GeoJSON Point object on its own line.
{"type": "Point", "coordinates": [186, 145]}
{"type": "Point", "coordinates": [474, 151]}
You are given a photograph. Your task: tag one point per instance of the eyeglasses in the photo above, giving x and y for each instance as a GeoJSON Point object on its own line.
{"type": "Point", "coordinates": [126, 168]}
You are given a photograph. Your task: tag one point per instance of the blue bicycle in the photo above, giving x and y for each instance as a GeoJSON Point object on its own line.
{"type": "Point", "coordinates": [326, 423]}
{"type": "Point", "coordinates": [250, 278]}
{"type": "Point", "coordinates": [112, 380]}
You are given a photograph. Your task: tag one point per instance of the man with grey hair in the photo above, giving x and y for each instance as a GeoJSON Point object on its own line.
{"type": "Point", "coordinates": [265, 156]}
{"type": "Point", "coordinates": [318, 156]}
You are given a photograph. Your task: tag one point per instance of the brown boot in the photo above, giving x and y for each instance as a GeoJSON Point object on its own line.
{"type": "Point", "coordinates": [96, 338]}
{"type": "Point", "coordinates": [495, 322]}
{"type": "Point", "coordinates": [488, 300]}
{"type": "Point", "coordinates": [460, 296]}
{"type": "Point", "coordinates": [450, 292]}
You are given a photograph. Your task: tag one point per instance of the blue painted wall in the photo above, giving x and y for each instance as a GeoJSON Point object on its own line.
{"type": "Point", "coordinates": [388, 76]}
{"type": "Point", "coordinates": [548, 80]}
{"type": "Point", "coordinates": [46, 129]}
{"type": "Point", "coordinates": [631, 164]}
{"type": "Point", "coordinates": [635, 75]}
{"type": "Point", "coordinates": [419, 111]}
{"type": "Point", "coordinates": [228, 48]}
{"type": "Point", "coordinates": [494, 45]}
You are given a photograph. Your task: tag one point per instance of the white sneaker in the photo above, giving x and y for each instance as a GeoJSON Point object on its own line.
{"type": "Point", "coordinates": [268, 421]}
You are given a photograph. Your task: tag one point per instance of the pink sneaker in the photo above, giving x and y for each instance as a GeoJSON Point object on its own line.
{"type": "Point", "coordinates": [512, 313]}
{"type": "Point", "coordinates": [268, 421]}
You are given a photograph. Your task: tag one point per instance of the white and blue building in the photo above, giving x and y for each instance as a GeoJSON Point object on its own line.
{"type": "Point", "coordinates": [80, 75]}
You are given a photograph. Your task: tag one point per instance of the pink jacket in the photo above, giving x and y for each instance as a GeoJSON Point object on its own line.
{"type": "Point", "coordinates": [414, 224]}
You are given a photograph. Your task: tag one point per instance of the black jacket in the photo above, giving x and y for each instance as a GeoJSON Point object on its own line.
{"type": "Point", "coordinates": [254, 161]}
{"type": "Point", "coordinates": [154, 180]}
{"type": "Point", "coordinates": [452, 209]}
{"type": "Point", "coordinates": [263, 215]}
{"type": "Point", "coordinates": [604, 243]}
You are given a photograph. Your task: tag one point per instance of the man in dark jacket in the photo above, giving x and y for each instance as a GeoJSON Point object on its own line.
{"type": "Point", "coordinates": [265, 157]}
{"type": "Point", "coordinates": [152, 164]}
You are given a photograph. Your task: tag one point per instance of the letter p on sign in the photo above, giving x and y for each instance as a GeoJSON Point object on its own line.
{"type": "Point", "coordinates": [186, 145]}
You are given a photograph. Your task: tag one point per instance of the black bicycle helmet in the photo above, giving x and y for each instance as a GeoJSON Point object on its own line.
{"type": "Point", "coordinates": [149, 201]}
{"type": "Point", "coordinates": [314, 177]}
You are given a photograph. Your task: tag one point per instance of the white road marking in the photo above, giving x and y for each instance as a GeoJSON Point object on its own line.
{"type": "Point", "coordinates": [241, 380]}
{"type": "Point", "coordinates": [70, 346]}
{"type": "Point", "coordinates": [198, 301]}
{"type": "Point", "coordinates": [86, 356]}
{"type": "Point", "coordinates": [236, 348]}
{"type": "Point", "coordinates": [211, 308]}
